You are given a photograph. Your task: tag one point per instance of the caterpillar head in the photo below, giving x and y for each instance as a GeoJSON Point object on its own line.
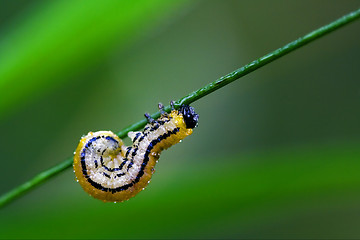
{"type": "Point", "coordinates": [190, 117]}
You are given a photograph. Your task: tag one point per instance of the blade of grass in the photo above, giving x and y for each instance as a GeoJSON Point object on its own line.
{"type": "Point", "coordinates": [221, 82]}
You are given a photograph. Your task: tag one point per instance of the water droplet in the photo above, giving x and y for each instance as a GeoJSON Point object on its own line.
{"type": "Point", "coordinates": [74, 153]}
{"type": "Point", "coordinates": [180, 140]}
{"type": "Point", "coordinates": [115, 202]}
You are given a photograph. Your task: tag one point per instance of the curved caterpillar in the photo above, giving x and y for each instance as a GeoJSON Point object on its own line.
{"type": "Point", "coordinates": [110, 171]}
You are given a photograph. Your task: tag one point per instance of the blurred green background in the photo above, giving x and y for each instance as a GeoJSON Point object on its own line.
{"type": "Point", "coordinates": [276, 154]}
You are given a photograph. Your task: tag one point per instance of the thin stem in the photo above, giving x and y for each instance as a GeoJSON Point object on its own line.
{"type": "Point", "coordinates": [221, 82]}
{"type": "Point", "coordinates": [38, 179]}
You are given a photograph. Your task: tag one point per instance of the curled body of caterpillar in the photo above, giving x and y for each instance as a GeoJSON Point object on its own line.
{"type": "Point", "coordinates": [110, 171]}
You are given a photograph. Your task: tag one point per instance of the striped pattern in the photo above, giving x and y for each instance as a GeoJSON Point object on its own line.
{"type": "Point", "coordinates": [110, 171]}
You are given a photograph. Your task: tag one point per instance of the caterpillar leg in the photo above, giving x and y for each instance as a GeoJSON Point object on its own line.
{"type": "Point", "coordinates": [172, 104]}
{"type": "Point", "coordinates": [161, 108]}
{"type": "Point", "coordinates": [149, 118]}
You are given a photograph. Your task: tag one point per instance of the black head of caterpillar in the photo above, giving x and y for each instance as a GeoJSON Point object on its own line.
{"type": "Point", "coordinates": [110, 171]}
{"type": "Point", "coordinates": [190, 117]}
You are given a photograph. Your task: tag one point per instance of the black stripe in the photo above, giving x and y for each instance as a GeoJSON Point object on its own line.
{"type": "Point", "coordinates": [141, 139]}
{"type": "Point", "coordinates": [122, 164]}
{"type": "Point", "coordinates": [148, 151]}
{"type": "Point", "coordinates": [127, 152]}
{"type": "Point", "coordinates": [136, 136]}
{"type": "Point", "coordinates": [108, 169]}
{"type": "Point", "coordinates": [130, 165]}
{"type": "Point", "coordinates": [142, 169]}
{"type": "Point", "coordinates": [110, 138]}
{"type": "Point", "coordinates": [132, 157]}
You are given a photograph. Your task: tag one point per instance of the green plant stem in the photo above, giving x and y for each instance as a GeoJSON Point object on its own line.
{"type": "Point", "coordinates": [221, 82]}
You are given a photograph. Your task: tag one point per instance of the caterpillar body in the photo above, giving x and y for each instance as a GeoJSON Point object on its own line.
{"type": "Point", "coordinates": [110, 171]}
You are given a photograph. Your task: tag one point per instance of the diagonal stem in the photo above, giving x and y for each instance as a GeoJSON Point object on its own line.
{"type": "Point", "coordinates": [192, 97]}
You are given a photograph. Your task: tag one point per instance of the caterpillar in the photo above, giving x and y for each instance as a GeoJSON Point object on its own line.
{"type": "Point", "coordinates": [112, 172]}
